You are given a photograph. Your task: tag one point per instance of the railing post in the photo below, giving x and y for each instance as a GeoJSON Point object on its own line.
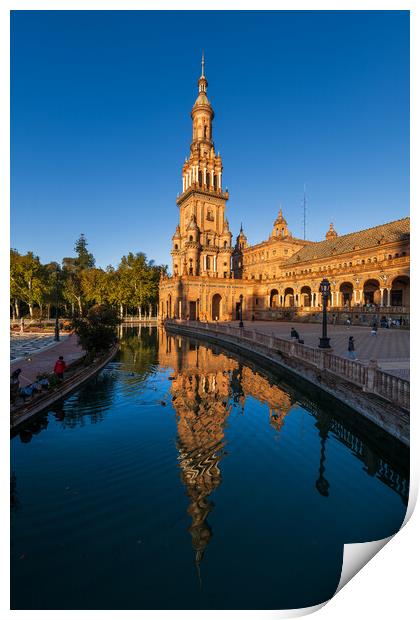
{"type": "Point", "coordinates": [370, 376]}
{"type": "Point", "coordinates": [321, 361]}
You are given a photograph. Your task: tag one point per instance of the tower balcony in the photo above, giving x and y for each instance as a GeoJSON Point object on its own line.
{"type": "Point", "coordinates": [204, 190]}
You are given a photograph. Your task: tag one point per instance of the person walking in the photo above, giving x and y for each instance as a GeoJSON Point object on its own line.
{"type": "Point", "coordinates": [59, 368]}
{"type": "Point", "coordinates": [374, 331]}
{"type": "Point", "coordinates": [293, 334]}
{"type": "Point", "coordinates": [351, 351]}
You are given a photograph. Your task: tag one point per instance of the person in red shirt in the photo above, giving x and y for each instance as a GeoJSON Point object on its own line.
{"type": "Point", "coordinates": [60, 367]}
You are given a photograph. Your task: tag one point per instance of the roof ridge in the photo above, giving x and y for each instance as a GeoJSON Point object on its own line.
{"type": "Point", "coordinates": [355, 232]}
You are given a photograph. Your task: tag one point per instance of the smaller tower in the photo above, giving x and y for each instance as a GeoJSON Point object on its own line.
{"type": "Point", "coordinates": [176, 252]}
{"type": "Point", "coordinates": [280, 229]}
{"type": "Point", "coordinates": [238, 254]}
{"type": "Point", "coordinates": [331, 232]}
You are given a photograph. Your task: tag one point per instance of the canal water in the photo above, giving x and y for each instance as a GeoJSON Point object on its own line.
{"type": "Point", "coordinates": [185, 477]}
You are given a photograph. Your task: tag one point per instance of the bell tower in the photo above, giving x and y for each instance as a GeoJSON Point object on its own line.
{"type": "Point", "coordinates": [202, 240]}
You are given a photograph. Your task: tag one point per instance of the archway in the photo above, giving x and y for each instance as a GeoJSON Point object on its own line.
{"type": "Point", "coordinates": [346, 294]}
{"type": "Point", "coordinates": [371, 292]}
{"type": "Point", "coordinates": [306, 295]}
{"type": "Point", "coordinates": [274, 298]}
{"type": "Point", "coordinates": [400, 291]}
{"type": "Point", "coordinates": [289, 298]}
{"type": "Point", "coordinates": [216, 307]}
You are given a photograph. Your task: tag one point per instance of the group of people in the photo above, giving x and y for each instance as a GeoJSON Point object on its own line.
{"type": "Point", "coordinates": [36, 386]}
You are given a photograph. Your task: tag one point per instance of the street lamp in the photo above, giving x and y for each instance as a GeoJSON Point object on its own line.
{"type": "Point", "coordinates": [56, 328]}
{"type": "Point", "coordinates": [324, 289]}
{"type": "Point", "coordinates": [241, 299]}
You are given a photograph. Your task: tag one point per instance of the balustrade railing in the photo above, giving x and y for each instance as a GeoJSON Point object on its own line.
{"type": "Point", "coordinates": [370, 378]}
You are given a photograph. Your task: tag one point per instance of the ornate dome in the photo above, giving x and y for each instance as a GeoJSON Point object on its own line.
{"type": "Point", "coordinates": [280, 219]}
{"type": "Point", "coordinates": [331, 233]}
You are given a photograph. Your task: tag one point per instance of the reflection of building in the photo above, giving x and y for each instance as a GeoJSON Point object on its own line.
{"type": "Point", "coordinates": [208, 275]}
{"type": "Point", "coordinates": [279, 402]}
{"type": "Point", "coordinates": [203, 387]}
{"type": "Point", "coordinates": [200, 395]}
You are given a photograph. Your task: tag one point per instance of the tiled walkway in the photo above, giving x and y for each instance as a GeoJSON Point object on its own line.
{"type": "Point", "coordinates": [22, 345]}
{"type": "Point", "coordinates": [390, 347]}
{"type": "Point", "coordinates": [44, 360]}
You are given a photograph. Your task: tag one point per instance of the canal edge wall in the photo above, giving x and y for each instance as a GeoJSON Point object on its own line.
{"type": "Point", "coordinates": [49, 399]}
{"type": "Point", "coordinates": [388, 416]}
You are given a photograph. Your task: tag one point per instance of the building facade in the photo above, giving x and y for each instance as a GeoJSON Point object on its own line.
{"type": "Point", "coordinates": [368, 270]}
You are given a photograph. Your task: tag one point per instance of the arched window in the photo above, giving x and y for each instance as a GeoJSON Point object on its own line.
{"type": "Point", "coordinates": [205, 131]}
{"type": "Point", "coordinates": [176, 246]}
{"type": "Point", "coordinates": [191, 238]}
{"type": "Point", "coordinates": [225, 244]}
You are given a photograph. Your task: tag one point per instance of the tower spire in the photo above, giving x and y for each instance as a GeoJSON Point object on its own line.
{"type": "Point", "coordinates": [202, 64]}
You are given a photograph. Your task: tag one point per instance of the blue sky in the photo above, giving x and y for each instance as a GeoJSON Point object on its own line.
{"type": "Point", "coordinates": [100, 122]}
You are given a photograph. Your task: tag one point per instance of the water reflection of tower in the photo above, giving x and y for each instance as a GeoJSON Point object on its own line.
{"type": "Point", "coordinates": [238, 394]}
{"type": "Point", "coordinates": [200, 396]}
{"type": "Point", "coordinates": [323, 424]}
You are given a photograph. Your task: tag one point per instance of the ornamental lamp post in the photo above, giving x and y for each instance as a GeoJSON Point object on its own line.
{"type": "Point", "coordinates": [241, 299]}
{"type": "Point", "coordinates": [324, 289]}
{"type": "Point", "coordinates": [56, 327]}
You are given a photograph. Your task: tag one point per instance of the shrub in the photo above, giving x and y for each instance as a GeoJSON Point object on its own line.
{"type": "Point", "coordinates": [96, 332]}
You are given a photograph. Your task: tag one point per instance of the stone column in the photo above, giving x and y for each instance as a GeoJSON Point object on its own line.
{"type": "Point", "coordinates": [388, 301]}
{"type": "Point", "coordinates": [205, 176]}
{"type": "Point", "coordinates": [382, 296]}
{"type": "Point", "coordinates": [212, 178]}
{"type": "Point", "coordinates": [183, 183]}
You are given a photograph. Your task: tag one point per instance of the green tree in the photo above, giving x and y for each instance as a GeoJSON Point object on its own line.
{"type": "Point", "coordinates": [72, 290]}
{"type": "Point", "coordinates": [96, 332]}
{"type": "Point", "coordinates": [85, 259]}
{"type": "Point", "coordinates": [95, 285]}
{"type": "Point", "coordinates": [27, 279]}
{"type": "Point", "coordinates": [53, 286]}
{"type": "Point", "coordinates": [74, 268]}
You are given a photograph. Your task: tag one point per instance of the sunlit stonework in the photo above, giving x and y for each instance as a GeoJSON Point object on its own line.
{"type": "Point", "coordinates": [280, 277]}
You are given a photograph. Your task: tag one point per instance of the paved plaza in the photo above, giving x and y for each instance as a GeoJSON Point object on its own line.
{"type": "Point", "coordinates": [42, 360]}
{"type": "Point", "coordinates": [22, 345]}
{"type": "Point", "coordinates": [390, 347]}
